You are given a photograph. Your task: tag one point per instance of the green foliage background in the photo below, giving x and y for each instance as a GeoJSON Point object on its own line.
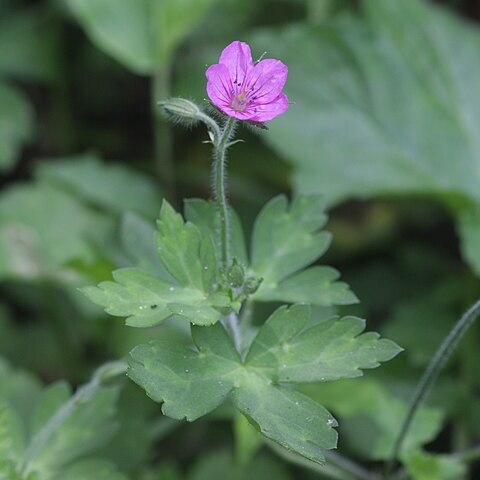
{"type": "Point", "coordinates": [384, 122]}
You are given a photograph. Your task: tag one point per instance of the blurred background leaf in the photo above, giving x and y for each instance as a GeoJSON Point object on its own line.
{"type": "Point", "coordinates": [140, 34]}
{"type": "Point", "coordinates": [16, 124]}
{"type": "Point", "coordinates": [22, 55]}
{"type": "Point", "coordinates": [376, 114]}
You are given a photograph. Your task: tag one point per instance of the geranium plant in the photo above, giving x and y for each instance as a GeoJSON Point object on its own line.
{"type": "Point", "coordinates": [212, 281]}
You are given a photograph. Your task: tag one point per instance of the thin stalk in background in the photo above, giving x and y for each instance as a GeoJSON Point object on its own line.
{"type": "Point", "coordinates": [163, 137]}
{"type": "Point", "coordinates": [336, 468]}
{"type": "Point", "coordinates": [468, 369]}
{"type": "Point", "coordinates": [438, 361]}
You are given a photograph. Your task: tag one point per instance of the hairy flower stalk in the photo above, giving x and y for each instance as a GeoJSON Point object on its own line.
{"type": "Point", "coordinates": [242, 90]}
{"type": "Point", "coordinates": [247, 91]}
{"type": "Point", "coordinates": [220, 189]}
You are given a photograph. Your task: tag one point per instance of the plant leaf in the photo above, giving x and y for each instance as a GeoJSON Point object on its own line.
{"type": "Point", "coordinates": [426, 466]}
{"type": "Point", "coordinates": [121, 28]}
{"type": "Point", "coordinates": [137, 237]}
{"type": "Point", "coordinates": [146, 299]}
{"type": "Point", "coordinates": [88, 426]}
{"type": "Point", "coordinates": [384, 117]}
{"type": "Point", "coordinates": [180, 247]}
{"type": "Point", "coordinates": [469, 231]}
{"type": "Point", "coordinates": [215, 464]}
{"type": "Point", "coordinates": [371, 416]}
{"type": "Point", "coordinates": [203, 214]}
{"type": "Point", "coordinates": [327, 351]}
{"type": "Point", "coordinates": [285, 240]}
{"type": "Point", "coordinates": [140, 34]}
{"type": "Point", "coordinates": [112, 187]}
{"type": "Point", "coordinates": [37, 55]}
{"type": "Point", "coordinates": [18, 388]}
{"type": "Point", "coordinates": [177, 19]}
{"type": "Point", "coordinates": [191, 384]}
{"type": "Point", "coordinates": [37, 241]}
{"type": "Point", "coordinates": [316, 285]}
{"type": "Point", "coordinates": [59, 430]}
{"type": "Point", "coordinates": [16, 125]}
{"type": "Point", "coordinates": [49, 403]}
{"type": "Point", "coordinates": [97, 469]}
{"type": "Point", "coordinates": [11, 435]}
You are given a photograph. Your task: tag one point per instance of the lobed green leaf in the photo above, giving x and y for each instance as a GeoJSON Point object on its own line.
{"type": "Point", "coordinates": [285, 240]}
{"type": "Point", "coordinates": [188, 289]}
{"type": "Point", "coordinates": [191, 383]}
{"type": "Point", "coordinates": [204, 215]}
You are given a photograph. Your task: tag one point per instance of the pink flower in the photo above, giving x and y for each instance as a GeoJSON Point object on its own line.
{"type": "Point", "coordinates": [245, 90]}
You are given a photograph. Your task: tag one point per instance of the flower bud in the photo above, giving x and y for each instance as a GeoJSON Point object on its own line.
{"type": "Point", "coordinates": [181, 110]}
{"type": "Point", "coordinates": [236, 274]}
{"type": "Point", "coordinates": [252, 284]}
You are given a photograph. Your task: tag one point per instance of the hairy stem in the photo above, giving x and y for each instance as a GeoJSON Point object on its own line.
{"type": "Point", "coordinates": [220, 190]}
{"type": "Point", "coordinates": [438, 361]}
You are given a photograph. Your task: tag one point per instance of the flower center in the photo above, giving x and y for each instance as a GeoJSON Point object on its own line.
{"type": "Point", "coordinates": [239, 102]}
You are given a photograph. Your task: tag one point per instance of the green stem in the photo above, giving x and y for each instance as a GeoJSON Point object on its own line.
{"type": "Point", "coordinates": [233, 323]}
{"type": "Point", "coordinates": [336, 468]}
{"type": "Point", "coordinates": [221, 144]}
{"type": "Point", "coordinates": [348, 465]}
{"type": "Point", "coordinates": [220, 190]}
{"type": "Point", "coordinates": [438, 361]}
{"type": "Point", "coordinates": [83, 394]}
{"type": "Point", "coordinates": [163, 134]}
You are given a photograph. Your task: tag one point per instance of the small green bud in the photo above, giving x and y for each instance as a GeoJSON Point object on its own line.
{"type": "Point", "coordinates": [235, 274]}
{"type": "Point", "coordinates": [252, 284]}
{"type": "Point", "coordinates": [180, 110]}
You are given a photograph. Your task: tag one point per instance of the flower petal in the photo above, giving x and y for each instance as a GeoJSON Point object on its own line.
{"type": "Point", "coordinates": [237, 57]}
{"type": "Point", "coordinates": [218, 85]}
{"type": "Point", "coordinates": [246, 115]}
{"type": "Point", "coordinates": [266, 80]}
{"type": "Point", "coordinates": [268, 111]}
